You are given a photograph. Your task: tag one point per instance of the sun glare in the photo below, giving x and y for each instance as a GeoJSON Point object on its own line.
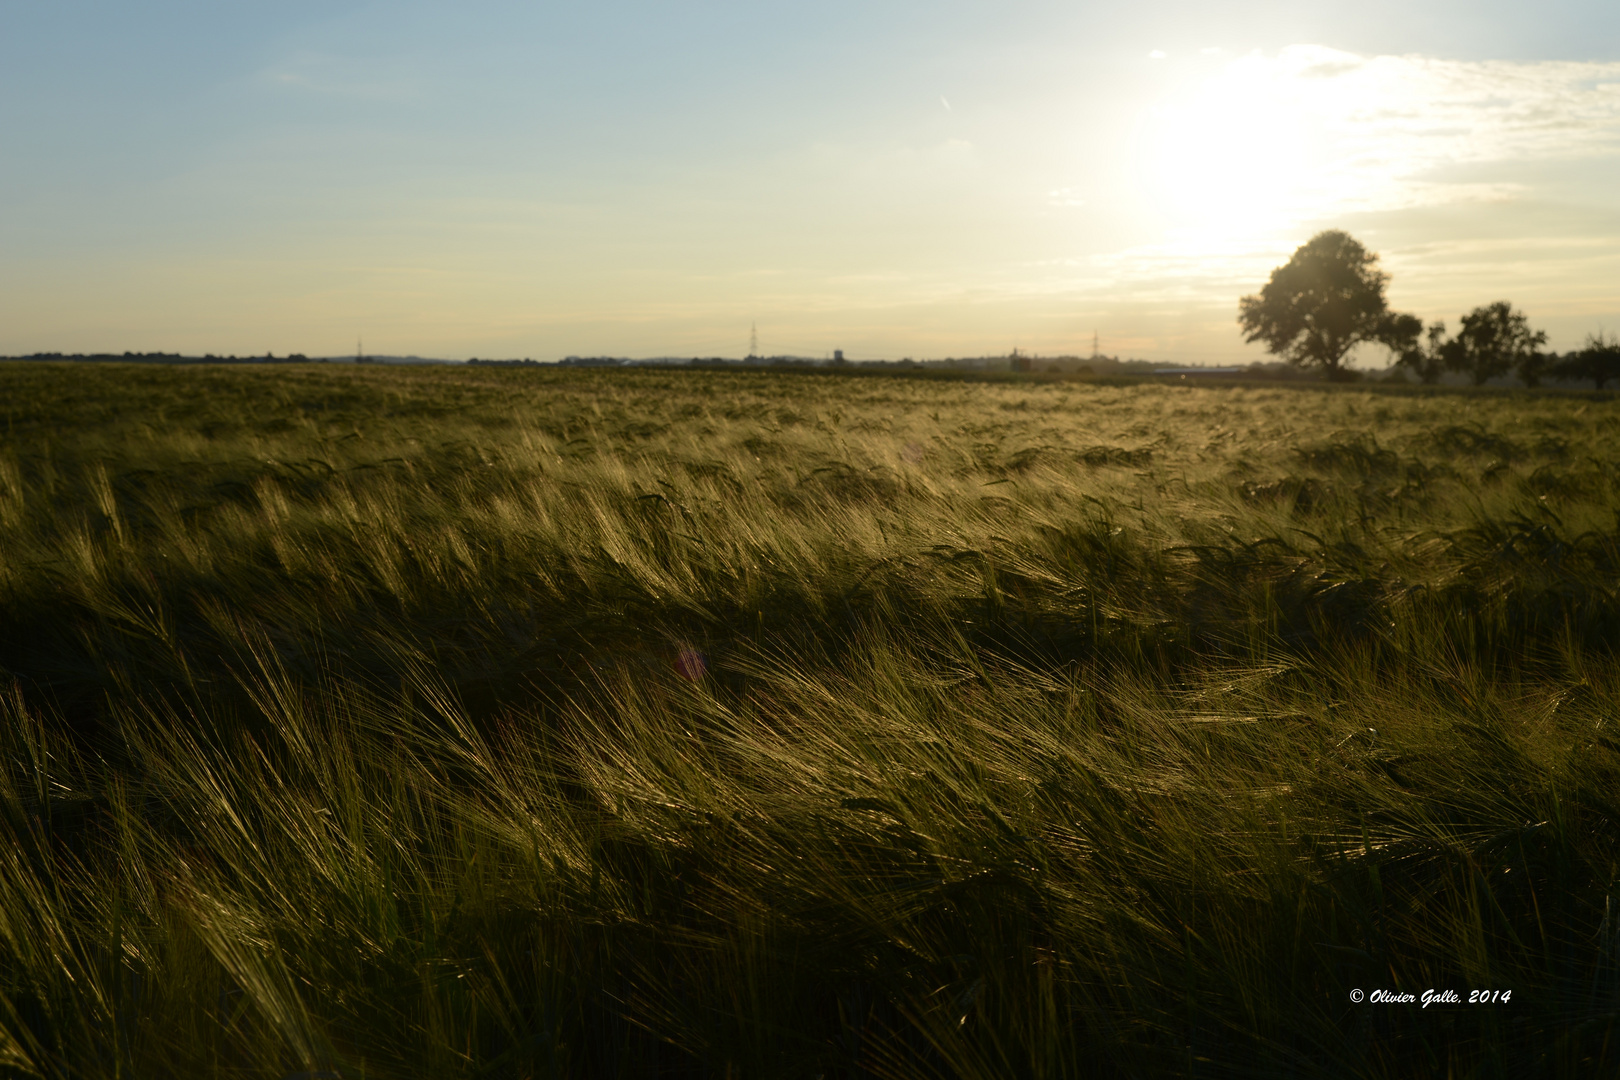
{"type": "Point", "coordinates": [1259, 146]}
{"type": "Point", "coordinates": [1241, 159]}
{"type": "Point", "coordinates": [1265, 144]}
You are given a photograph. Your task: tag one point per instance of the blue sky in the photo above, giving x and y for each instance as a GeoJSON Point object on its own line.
{"type": "Point", "coordinates": [892, 179]}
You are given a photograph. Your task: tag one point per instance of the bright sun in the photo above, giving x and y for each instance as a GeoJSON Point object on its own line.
{"type": "Point", "coordinates": [1268, 143]}
{"type": "Point", "coordinates": [1225, 159]}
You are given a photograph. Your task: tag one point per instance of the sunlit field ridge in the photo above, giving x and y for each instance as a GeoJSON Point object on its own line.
{"type": "Point", "coordinates": [520, 723]}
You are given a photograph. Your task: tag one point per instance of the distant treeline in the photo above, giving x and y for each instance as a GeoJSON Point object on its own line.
{"type": "Point", "coordinates": [1597, 364]}
{"type": "Point", "coordinates": [1014, 362]}
{"type": "Point", "coordinates": [169, 358]}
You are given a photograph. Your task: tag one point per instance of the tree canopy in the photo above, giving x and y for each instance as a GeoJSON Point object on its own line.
{"type": "Point", "coordinates": [1495, 339]}
{"type": "Point", "coordinates": [1598, 361]}
{"type": "Point", "coordinates": [1325, 301]}
{"type": "Point", "coordinates": [1431, 357]}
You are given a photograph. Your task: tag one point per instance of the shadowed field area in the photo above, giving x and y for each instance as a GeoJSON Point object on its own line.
{"type": "Point", "coordinates": [366, 722]}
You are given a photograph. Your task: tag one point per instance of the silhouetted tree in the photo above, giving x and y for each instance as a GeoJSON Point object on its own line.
{"type": "Point", "coordinates": [1428, 360]}
{"type": "Point", "coordinates": [1598, 361]}
{"type": "Point", "coordinates": [1533, 365]}
{"type": "Point", "coordinates": [1325, 301]}
{"type": "Point", "coordinates": [1494, 340]}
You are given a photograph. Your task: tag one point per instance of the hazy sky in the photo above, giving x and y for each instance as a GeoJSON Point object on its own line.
{"type": "Point", "coordinates": [888, 177]}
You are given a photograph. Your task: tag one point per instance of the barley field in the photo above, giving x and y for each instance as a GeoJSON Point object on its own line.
{"type": "Point", "coordinates": [519, 723]}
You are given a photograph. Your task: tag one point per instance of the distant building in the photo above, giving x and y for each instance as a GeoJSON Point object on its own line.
{"type": "Point", "coordinates": [838, 356]}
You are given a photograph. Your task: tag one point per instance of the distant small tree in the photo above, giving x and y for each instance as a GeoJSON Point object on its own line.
{"type": "Point", "coordinates": [1598, 361]}
{"type": "Point", "coordinates": [1494, 340]}
{"type": "Point", "coordinates": [1428, 360]}
{"type": "Point", "coordinates": [1325, 301]}
{"type": "Point", "coordinates": [1533, 365]}
{"type": "Point", "coordinates": [1602, 359]}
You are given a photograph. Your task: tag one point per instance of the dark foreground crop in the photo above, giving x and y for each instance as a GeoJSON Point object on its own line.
{"type": "Point", "coordinates": [370, 723]}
